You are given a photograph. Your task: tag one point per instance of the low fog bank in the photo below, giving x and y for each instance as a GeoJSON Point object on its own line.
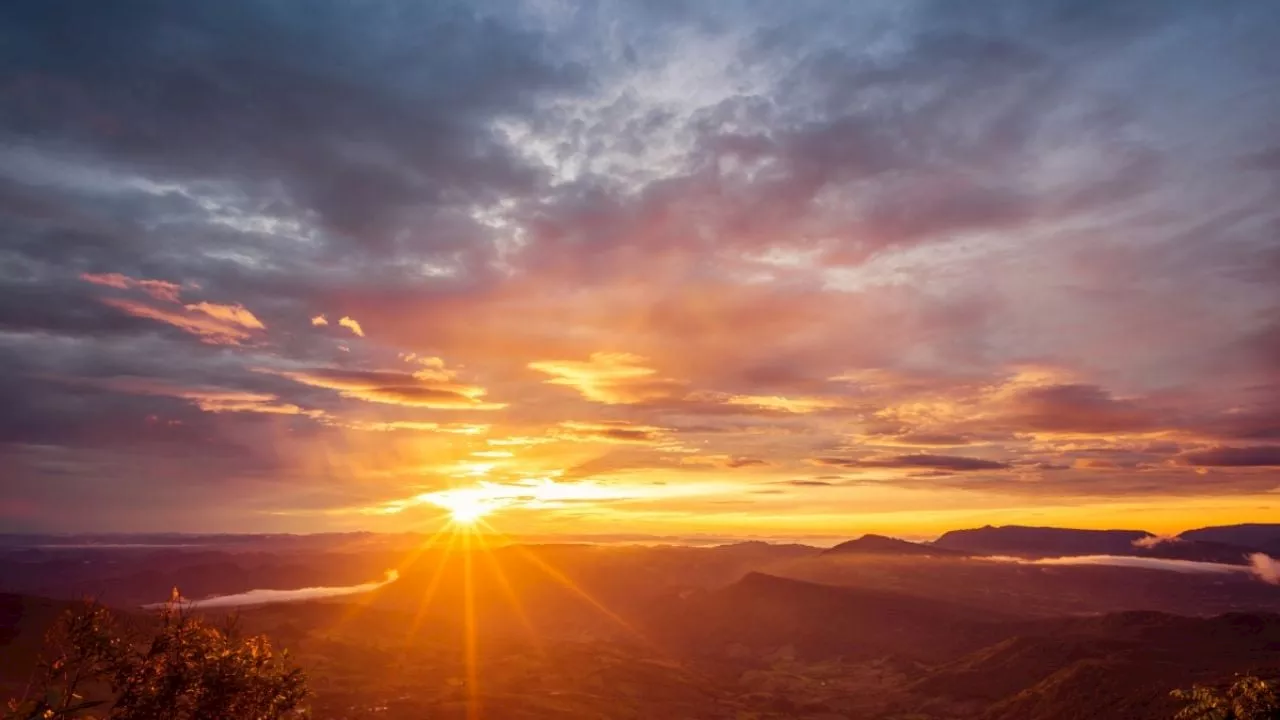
{"type": "Point", "coordinates": [1262, 567]}
{"type": "Point", "coordinates": [264, 597]}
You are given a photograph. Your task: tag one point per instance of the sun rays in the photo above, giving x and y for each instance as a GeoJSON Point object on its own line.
{"type": "Point", "coordinates": [464, 574]}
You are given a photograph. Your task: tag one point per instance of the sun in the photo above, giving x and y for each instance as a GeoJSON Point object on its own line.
{"type": "Point", "coordinates": [468, 513]}
{"type": "Point", "coordinates": [466, 508]}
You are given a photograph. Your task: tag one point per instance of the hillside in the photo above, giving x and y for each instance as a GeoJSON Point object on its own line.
{"type": "Point", "coordinates": [1115, 666]}
{"type": "Point", "coordinates": [881, 545]}
{"type": "Point", "coordinates": [763, 613]}
{"type": "Point", "coordinates": [1041, 541]}
{"type": "Point", "coordinates": [1264, 536]}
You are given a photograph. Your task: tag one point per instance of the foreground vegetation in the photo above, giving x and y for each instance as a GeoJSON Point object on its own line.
{"type": "Point", "coordinates": [178, 666]}
{"type": "Point", "coordinates": [1248, 698]}
{"type": "Point", "coordinates": [181, 668]}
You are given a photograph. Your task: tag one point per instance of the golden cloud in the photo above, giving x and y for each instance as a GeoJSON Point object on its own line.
{"type": "Point", "coordinates": [214, 400]}
{"type": "Point", "coordinates": [797, 405]}
{"type": "Point", "coordinates": [210, 330]}
{"type": "Point", "coordinates": [158, 289]}
{"type": "Point", "coordinates": [393, 388]}
{"type": "Point", "coordinates": [412, 426]}
{"type": "Point", "coordinates": [611, 378]}
{"type": "Point", "coordinates": [613, 432]}
{"type": "Point", "coordinates": [234, 314]}
{"type": "Point", "coordinates": [352, 325]}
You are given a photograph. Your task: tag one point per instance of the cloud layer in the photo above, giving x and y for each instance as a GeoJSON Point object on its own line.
{"type": "Point", "coordinates": [825, 267]}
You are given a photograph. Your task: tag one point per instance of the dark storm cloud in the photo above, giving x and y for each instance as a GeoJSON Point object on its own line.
{"type": "Point", "coordinates": [1255, 456]}
{"type": "Point", "coordinates": [356, 111]}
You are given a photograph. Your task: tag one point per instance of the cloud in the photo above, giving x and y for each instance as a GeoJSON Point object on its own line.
{"type": "Point", "coordinates": [389, 426]}
{"type": "Point", "coordinates": [938, 462]}
{"type": "Point", "coordinates": [849, 231]}
{"type": "Point", "coordinates": [158, 289]}
{"type": "Point", "coordinates": [1143, 563]}
{"type": "Point", "coordinates": [921, 439]}
{"type": "Point", "coordinates": [802, 482]}
{"type": "Point", "coordinates": [319, 321]}
{"type": "Point", "coordinates": [1265, 567]}
{"type": "Point", "coordinates": [267, 597]}
{"type": "Point", "coordinates": [210, 330]}
{"type": "Point", "coordinates": [1228, 457]}
{"type": "Point", "coordinates": [1077, 408]}
{"type": "Point", "coordinates": [618, 432]}
{"type": "Point", "coordinates": [224, 324]}
{"type": "Point", "coordinates": [611, 378]}
{"type": "Point", "coordinates": [351, 325]}
{"type": "Point", "coordinates": [729, 462]}
{"type": "Point", "coordinates": [1151, 541]}
{"type": "Point", "coordinates": [798, 405]}
{"type": "Point", "coordinates": [232, 314]}
{"type": "Point", "coordinates": [393, 388]}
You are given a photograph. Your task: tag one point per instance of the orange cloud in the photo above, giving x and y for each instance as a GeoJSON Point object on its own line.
{"type": "Point", "coordinates": [611, 378]}
{"type": "Point", "coordinates": [729, 462]}
{"type": "Point", "coordinates": [235, 314]}
{"type": "Point", "coordinates": [798, 405]}
{"type": "Point", "coordinates": [520, 440]}
{"type": "Point", "coordinates": [613, 432]}
{"type": "Point", "coordinates": [394, 388]}
{"type": "Point", "coordinates": [413, 426]}
{"type": "Point", "coordinates": [319, 321]}
{"type": "Point", "coordinates": [352, 325]}
{"type": "Point", "coordinates": [214, 400]}
{"type": "Point", "coordinates": [158, 289]}
{"type": "Point", "coordinates": [210, 330]}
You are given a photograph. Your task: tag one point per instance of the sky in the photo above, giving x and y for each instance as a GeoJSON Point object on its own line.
{"type": "Point", "coordinates": [742, 267]}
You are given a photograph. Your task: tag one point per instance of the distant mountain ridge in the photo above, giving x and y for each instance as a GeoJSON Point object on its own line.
{"type": "Point", "coordinates": [883, 545]}
{"type": "Point", "coordinates": [1215, 545]}
{"type": "Point", "coordinates": [1046, 541]}
{"type": "Point", "coordinates": [1264, 536]}
{"type": "Point", "coordinates": [764, 612]}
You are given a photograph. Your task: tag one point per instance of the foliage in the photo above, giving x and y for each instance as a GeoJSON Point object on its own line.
{"type": "Point", "coordinates": [1248, 698]}
{"type": "Point", "coordinates": [182, 669]}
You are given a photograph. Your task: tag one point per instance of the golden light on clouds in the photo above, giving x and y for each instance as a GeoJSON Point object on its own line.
{"type": "Point", "coordinates": [609, 377]}
{"type": "Point", "coordinates": [210, 330]}
{"type": "Point", "coordinates": [798, 405]}
{"type": "Point", "coordinates": [352, 325]}
{"type": "Point", "coordinates": [393, 388]}
{"type": "Point", "coordinates": [235, 314]}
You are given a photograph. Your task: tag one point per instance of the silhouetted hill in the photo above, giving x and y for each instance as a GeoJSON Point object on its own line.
{"type": "Point", "coordinates": [1115, 666]}
{"type": "Point", "coordinates": [763, 614]}
{"type": "Point", "coordinates": [1041, 541]}
{"type": "Point", "coordinates": [1196, 550]}
{"type": "Point", "coordinates": [881, 545]}
{"type": "Point", "coordinates": [1264, 536]}
{"type": "Point", "coordinates": [1055, 542]}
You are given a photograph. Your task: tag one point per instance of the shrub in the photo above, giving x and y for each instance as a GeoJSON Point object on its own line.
{"type": "Point", "coordinates": [182, 668]}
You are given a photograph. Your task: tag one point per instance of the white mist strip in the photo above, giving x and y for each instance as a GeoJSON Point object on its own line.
{"type": "Point", "coordinates": [264, 597]}
{"type": "Point", "coordinates": [1263, 567]}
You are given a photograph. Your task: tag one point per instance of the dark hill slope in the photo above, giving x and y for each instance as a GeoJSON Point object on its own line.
{"type": "Point", "coordinates": [1116, 666]}
{"type": "Point", "coordinates": [1041, 541]}
{"type": "Point", "coordinates": [762, 613]}
{"type": "Point", "coordinates": [1264, 536]}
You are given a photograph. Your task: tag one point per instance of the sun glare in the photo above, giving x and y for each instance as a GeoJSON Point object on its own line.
{"type": "Point", "coordinates": [466, 506]}
{"type": "Point", "coordinates": [466, 511]}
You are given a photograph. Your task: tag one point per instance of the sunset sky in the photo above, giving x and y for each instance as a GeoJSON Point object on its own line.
{"type": "Point", "coordinates": [674, 268]}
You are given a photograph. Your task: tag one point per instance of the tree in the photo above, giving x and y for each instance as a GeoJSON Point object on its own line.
{"type": "Point", "coordinates": [182, 669]}
{"type": "Point", "coordinates": [1248, 698]}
